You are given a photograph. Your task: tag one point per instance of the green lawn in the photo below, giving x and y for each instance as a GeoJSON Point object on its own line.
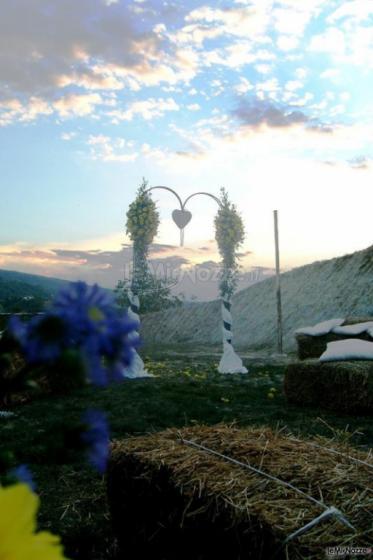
{"type": "Point", "coordinates": [183, 392]}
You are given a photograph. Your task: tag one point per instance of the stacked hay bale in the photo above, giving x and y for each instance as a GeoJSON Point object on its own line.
{"type": "Point", "coordinates": [341, 386]}
{"type": "Point", "coordinates": [344, 384]}
{"type": "Point", "coordinates": [313, 346]}
{"type": "Point", "coordinates": [172, 500]}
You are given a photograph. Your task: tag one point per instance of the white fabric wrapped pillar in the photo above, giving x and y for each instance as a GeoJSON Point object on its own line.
{"type": "Point", "coordinates": [137, 368]}
{"type": "Point", "coordinates": [230, 362]}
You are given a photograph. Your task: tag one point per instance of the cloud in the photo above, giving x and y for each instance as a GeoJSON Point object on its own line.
{"type": "Point", "coordinates": [77, 105]}
{"type": "Point", "coordinates": [360, 162]}
{"type": "Point", "coordinates": [48, 47]}
{"type": "Point", "coordinates": [236, 55]}
{"type": "Point", "coordinates": [332, 41]}
{"type": "Point", "coordinates": [348, 39]}
{"type": "Point", "coordinates": [13, 109]}
{"type": "Point", "coordinates": [263, 68]}
{"type": "Point", "coordinates": [66, 58]}
{"type": "Point", "coordinates": [48, 39]}
{"type": "Point", "coordinates": [256, 113]}
{"type": "Point", "coordinates": [239, 22]}
{"type": "Point", "coordinates": [358, 10]}
{"type": "Point", "coordinates": [71, 105]}
{"type": "Point", "coordinates": [147, 109]}
{"type": "Point", "coordinates": [194, 107]}
{"type": "Point", "coordinates": [107, 267]}
{"type": "Point", "coordinates": [255, 130]}
{"type": "Point", "coordinates": [159, 248]}
{"type": "Point", "coordinates": [68, 136]}
{"type": "Point", "coordinates": [287, 42]}
{"type": "Point", "coordinates": [243, 86]}
{"type": "Point", "coordinates": [291, 96]}
{"type": "Point", "coordinates": [293, 85]}
{"type": "Point", "coordinates": [292, 17]}
{"type": "Point", "coordinates": [330, 73]}
{"type": "Point", "coordinates": [301, 73]}
{"type": "Point", "coordinates": [94, 78]}
{"type": "Point", "coordinates": [270, 127]}
{"type": "Point", "coordinates": [192, 34]}
{"type": "Point", "coordinates": [108, 149]}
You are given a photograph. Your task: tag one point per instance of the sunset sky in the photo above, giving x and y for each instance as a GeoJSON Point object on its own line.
{"type": "Point", "coordinates": [271, 99]}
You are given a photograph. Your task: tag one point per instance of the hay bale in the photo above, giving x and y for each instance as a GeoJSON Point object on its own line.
{"type": "Point", "coordinates": [170, 501]}
{"type": "Point", "coordinates": [342, 386]}
{"type": "Point", "coordinates": [313, 346]}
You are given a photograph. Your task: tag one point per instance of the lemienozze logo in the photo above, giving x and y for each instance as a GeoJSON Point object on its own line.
{"type": "Point", "coordinates": [342, 551]}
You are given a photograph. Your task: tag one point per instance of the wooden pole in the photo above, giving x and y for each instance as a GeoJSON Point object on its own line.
{"type": "Point", "coordinates": [278, 287]}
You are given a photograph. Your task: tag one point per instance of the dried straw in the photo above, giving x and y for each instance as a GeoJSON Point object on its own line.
{"type": "Point", "coordinates": [266, 511]}
{"type": "Point", "coordinates": [342, 386]}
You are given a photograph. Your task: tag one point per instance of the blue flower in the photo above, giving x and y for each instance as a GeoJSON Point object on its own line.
{"type": "Point", "coordinates": [96, 437]}
{"type": "Point", "coordinates": [43, 338]}
{"type": "Point", "coordinates": [85, 307]}
{"type": "Point", "coordinates": [23, 474]}
{"type": "Point", "coordinates": [83, 318]}
{"type": "Point", "coordinates": [101, 331]}
{"type": "Point", "coordinates": [118, 344]}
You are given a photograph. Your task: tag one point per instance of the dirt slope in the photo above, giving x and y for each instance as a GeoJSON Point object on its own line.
{"type": "Point", "coordinates": [322, 290]}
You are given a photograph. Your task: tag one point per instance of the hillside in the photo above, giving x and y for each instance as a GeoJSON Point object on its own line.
{"type": "Point", "coordinates": [17, 296]}
{"type": "Point", "coordinates": [22, 292]}
{"type": "Point", "coordinates": [321, 290]}
{"type": "Point", "coordinates": [27, 293]}
{"type": "Point", "coordinates": [50, 285]}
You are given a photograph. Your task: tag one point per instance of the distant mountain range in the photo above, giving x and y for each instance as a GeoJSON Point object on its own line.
{"type": "Point", "coordinates": [197, 283]}
{"type": "Point", "coordinates": [20, 292]}
{"type": "Point", "coordinates": [50, 285]}
{"type": "Point", "coordinates": [312, 293]}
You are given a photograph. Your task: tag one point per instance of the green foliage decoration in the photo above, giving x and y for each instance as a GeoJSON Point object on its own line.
{"type": "Point", "coordinates": [229, 234]}
{"type": "Point", "coordinates": [142, 218]}
{"type": "Point", "coordinates": [155, 294]}
{"type": "Point", "coordinates": [141, 226]}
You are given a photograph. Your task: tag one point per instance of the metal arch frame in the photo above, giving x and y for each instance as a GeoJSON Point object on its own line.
{"type": "Point", "coordinates": [206, 194]}
{"type": "Point", "coordinates": [170, 190]}
{"type": "Point", "coordinates": [183, 204]}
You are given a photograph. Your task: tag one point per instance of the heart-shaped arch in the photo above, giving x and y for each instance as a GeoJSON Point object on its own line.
{"type": "Point", "coordinates": [182, 217]}
{"type": "Point", "coordinates": [230, 361]}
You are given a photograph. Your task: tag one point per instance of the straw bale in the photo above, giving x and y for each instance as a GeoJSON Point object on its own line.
{"type": "Point", "coordinates": [345, 386]}
{"type": "Point", "coordinates": [172, 501]}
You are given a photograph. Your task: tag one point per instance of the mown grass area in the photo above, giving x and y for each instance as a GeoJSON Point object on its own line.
{"type": "Point", "coordinates": [184, 391]}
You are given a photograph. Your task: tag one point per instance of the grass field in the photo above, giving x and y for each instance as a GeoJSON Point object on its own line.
{"type": "Point", "coordinates": [184, 391]}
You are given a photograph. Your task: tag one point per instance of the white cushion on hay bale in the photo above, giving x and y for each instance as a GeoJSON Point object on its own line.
{"type": "Point", "coordinates": [350, 349]}
{"type": "Point", "coordinates": [321, 328]}
{"type": "Point", "coordinates": [336, 326]}
{"type": "Point", "coordinates": [354, 330]}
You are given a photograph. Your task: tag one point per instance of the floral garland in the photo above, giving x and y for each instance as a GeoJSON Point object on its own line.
{"type": "Point", "coordinates": [142, 226]}
{"type": "Point", "coordinates": [229, 234]}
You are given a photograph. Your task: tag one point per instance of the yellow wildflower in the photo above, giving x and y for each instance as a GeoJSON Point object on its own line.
{"type": "Point", "coordinates": [18, 537]}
